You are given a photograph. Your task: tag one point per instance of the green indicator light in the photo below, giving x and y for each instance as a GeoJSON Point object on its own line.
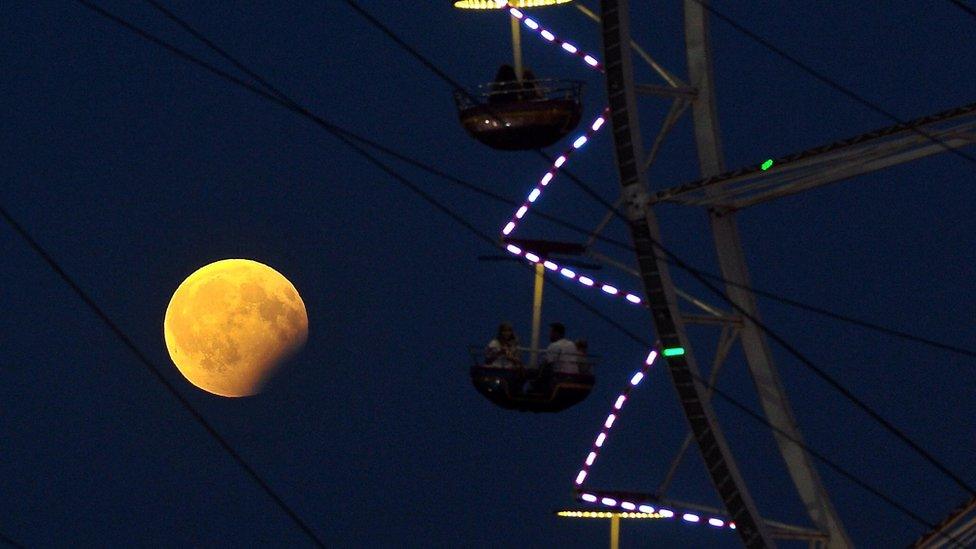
{"type": "Point", "coordinates": [674, 351]}
{"type": "Point", "coordinates": [767, 164]}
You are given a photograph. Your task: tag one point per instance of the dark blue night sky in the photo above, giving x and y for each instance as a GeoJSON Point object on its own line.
{"type": "Point", "coordinates": [134, 169]}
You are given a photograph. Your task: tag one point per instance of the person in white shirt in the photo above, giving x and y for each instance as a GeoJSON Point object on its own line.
{"type": "Point", "coordinates": [561, 354]}
{"type": "Point", "coordinates": [582, 362]}
{"type": "Point", "coordinates": [560, 357]}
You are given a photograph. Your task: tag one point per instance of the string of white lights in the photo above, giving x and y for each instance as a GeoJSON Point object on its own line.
{"type": "Point", "coordinates": [605, 499]}
{"type": "Point", "coordinates": [548, 36]}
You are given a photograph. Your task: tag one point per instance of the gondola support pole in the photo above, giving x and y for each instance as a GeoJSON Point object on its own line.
{"type": "Point", "coordinates": [540, 273]}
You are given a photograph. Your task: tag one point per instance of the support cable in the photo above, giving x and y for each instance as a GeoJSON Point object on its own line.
{"type": "Point", "coordinates": [459, 219]}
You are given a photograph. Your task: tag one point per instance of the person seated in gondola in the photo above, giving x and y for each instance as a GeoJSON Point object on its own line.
{"type": "Point", "coordinates": [505, 87]}
{"type": "Point", "coordinates": [582, 362]}
{"type": "Point", "coordinates": [529, 85]}
{"type": "Point", "coordinates": [561, 357]}
{"type": "Point", "coordinates": [502, 352]}
{"type": "Point", "coordinates": [561, 354]}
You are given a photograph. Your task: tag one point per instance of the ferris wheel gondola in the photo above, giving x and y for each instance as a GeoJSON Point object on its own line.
{"type": "Point", "coordinates": [531, 379]}
{"type": "Point", "coordinates": [517, 111]}
{"type": "Point", "coordinates": [522, 115]}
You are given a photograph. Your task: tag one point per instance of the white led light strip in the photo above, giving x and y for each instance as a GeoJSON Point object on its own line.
{"type": "Point", "coordinates": [618, 405]}
{"type": "Point", "coordinates": [693, 517]}
{"type": "Point", "coordinates": [608, 499]}
{"type": "Point", "coordinates": [548, 36]}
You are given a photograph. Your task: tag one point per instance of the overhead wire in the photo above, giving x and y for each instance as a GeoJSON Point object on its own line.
{"type": "Point", "coordinates": [806, 362]}
{"type": "Point", "coordinates": [470, 227]}
{"type": "Point", "coordinates": [589, 191]}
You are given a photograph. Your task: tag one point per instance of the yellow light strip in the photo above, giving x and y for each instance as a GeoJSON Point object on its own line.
{"type": "Point", "coordinates": [607, 514]}
{"type": "Point", "coordinates": [494, 5]}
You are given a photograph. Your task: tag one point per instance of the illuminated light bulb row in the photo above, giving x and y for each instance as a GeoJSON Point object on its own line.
{"type": "Point", "coordinates": [662, 512]}
{"type": "Point", "coordinates": [606, 514]}
{"type": "Point", "coordinates": [548, 36]}
{"type": "Point", "coordinates": [534, 195]}
{"type": "Point", "coordinates": [566, 272]}
{"type": "Point", "coordinates": [551, 174]}
{"type": "Point", "coordinates": [608, 424]}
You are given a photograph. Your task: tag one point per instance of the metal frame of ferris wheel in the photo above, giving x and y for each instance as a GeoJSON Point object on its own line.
{"type": "Point", "coordinates": [723, 193]}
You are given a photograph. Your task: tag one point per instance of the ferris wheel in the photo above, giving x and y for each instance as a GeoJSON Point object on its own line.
{"type": "Point", "coordinates": [519, 113]}
{"type": "Point", "coordinates": [721, 193]}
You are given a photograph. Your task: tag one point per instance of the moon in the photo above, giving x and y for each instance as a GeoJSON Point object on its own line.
{"type": "Point", "coordinates": [231, 324]}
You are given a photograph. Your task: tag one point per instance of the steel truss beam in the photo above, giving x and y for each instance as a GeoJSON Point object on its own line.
{"type": "Point", "coordinates": [954, 526]}
{"type": "Point", "coordinates": [830, 163]}
{"type": "Point", "coordinates": [731, 258]}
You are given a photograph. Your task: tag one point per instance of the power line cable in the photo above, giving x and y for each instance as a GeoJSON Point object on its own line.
{"type": "Point", "coordinates": [430, 169]}
{"type": "Point", "coordinates": [349, 139]}
{"type": "Point", "coordinates": [589, 191]}
{"type": "Point", "coordinates": [819, 372]}
{"type": "Point", "coordinates": [868, 325]}
{"type": "Point", "coordinates": [281, 95]}
{"type": "Point", "coordinates": [831, 314]}
{"type": "Point", "coordinates": [456, 217]}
